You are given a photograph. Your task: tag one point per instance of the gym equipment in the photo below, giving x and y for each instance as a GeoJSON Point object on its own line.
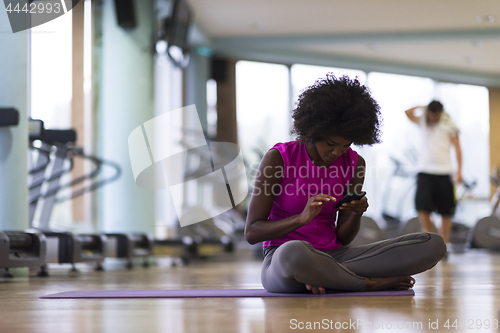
{"type": "Point", "coordinates": [183, 248]}
{"type": "Point", "coordinates": [486, 232]}
{"type": "Point", "coordinates": [129, 246]}
{"type": "Point", "coordinates": [19, 248]}
{"type": "Point", "coordinates": [208, 239]}
{"type": "Point", "coordinates": [119, 245]}
{"type": "Point", "coordinates": [213, 236]}
{"type": "Point", "coordinates": [413, 225]}
{"type": "Point", "coordinates": [9, 117]}
{"type": "Point", "coordinates": [211, 293]}
{"type": "Point", "coordinates": [459, 237]}
{"type": "Point", "coordinates": [393, 221]}
{"type": "Point", "coordinates": [369, 232]}
{"type": "Point", "coordinates": [459, 233]}
{"type": "Point", "coordinates": [62, 247]}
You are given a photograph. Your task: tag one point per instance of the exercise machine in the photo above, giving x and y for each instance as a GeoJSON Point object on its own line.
{"type": "Point", "coordinates": [216, 235]}
{"type": "Point", "coordinates": [19, 248]}
{"type": "Point", "coordinates": [413, 225]}
{"type": "Point", "coordinates": [393, 218]}
{"type": "Point", "coordinates": [183, 249]}
{"type": "Point", "coordinates": [369, 232]}
{"type": "Point", "coordinates": [96, 247]}
{"type": "Point", "coordinates": [486, 232]}
{"type": "Point", "coordinates": [62, 247]}
{"type": "Point", "coordinates": [459, 233]}
{"type": "Point", "coordinates": [129, 246]}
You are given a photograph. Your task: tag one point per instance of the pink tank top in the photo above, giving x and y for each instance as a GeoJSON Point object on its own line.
{"type": "Point", "coordinates": [302, 179]}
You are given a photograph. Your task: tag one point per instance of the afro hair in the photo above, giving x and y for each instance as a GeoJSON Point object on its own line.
{"type": "Point", "coordinates": [337, 107]}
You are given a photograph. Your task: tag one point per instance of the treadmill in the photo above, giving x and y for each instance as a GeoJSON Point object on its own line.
{"type": "Point", "coordinates": [19, 248]}
{"type": "Point", "coordinates": [214, 236]}
{"type": "Point", "coordinates": [118, 245]}
{"type": "Point", "coordinates": [62, 247]}
{"type": "Point", "coordinates": [129, 246]}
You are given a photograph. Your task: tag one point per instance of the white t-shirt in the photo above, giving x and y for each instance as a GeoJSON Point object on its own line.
{"type": "Point", "coordinates": [434, 146]}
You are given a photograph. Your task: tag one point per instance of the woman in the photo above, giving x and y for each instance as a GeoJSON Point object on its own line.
{"type": "Point", "coordinates": [298, 182]}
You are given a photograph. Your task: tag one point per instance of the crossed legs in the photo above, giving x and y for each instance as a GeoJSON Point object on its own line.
{"type": "Point", "coordinates": [288, 268]}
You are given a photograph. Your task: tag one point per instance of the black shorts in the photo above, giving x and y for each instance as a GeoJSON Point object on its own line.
{"type": "Point", "coordinates": [435, 194]}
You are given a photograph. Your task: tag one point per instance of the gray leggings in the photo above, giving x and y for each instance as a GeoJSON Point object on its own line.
{"type": "Point", "coordinates": [287, 268]}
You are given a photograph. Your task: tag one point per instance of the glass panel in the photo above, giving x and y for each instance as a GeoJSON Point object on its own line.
{"type": "Point", "coordinates": [51, 90]}
{"type": "Point", "coordinates": [305, 75]}
{"type": "Point", "coordinates": [262, 104]}
{"type": "Point", "coordinates": [51, 51]}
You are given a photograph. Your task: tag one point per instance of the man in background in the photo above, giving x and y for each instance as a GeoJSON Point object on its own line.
{"type": "Point", "coordinates": [434, 183]}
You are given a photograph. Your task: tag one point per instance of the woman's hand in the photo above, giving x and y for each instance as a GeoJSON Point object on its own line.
{"type": "Point", "coordinates": [358, 207]}
{"type": "Point", "coordinates": [314, 206]}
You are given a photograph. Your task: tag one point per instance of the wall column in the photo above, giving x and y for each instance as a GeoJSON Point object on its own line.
{"type": "Point", "coordinates": [227, 128]}
{"type": "Point", "coordinates": [14, 83]}
{"type": "Point", "coordinates": [77, 103]}
{"type": "Point", "coordinates": [494, 100]}
{"type": "Point", "coordinates": [125, 101]}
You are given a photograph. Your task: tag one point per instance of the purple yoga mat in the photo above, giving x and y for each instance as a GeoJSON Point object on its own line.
{"type": "Point", "coordinates": [209, 293]}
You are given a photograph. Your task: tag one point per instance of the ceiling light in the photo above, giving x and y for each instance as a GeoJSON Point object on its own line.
{"type": "Point", "coordinates": [485, 18]}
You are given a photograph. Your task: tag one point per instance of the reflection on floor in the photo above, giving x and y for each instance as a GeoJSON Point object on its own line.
{"type": "Point", "coordinates": [464, 290]}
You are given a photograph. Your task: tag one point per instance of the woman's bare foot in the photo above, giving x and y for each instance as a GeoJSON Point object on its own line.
{"type": "Point", "coordinates": [389, 283]}
{"type": "Point", "coordinates": [316, 289]}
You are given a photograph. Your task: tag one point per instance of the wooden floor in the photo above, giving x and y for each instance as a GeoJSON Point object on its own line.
{"type": "Point", "coordinates": [465, 288]}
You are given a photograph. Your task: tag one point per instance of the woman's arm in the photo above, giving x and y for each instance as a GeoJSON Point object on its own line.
{"type": "Point", "coordinates": [349, 218]}
{"type": "Point", "coordinates": [258, 228]}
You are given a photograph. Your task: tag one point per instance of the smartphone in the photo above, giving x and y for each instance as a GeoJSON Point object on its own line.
{"type": "Point", "coordinates": [348, 198]}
